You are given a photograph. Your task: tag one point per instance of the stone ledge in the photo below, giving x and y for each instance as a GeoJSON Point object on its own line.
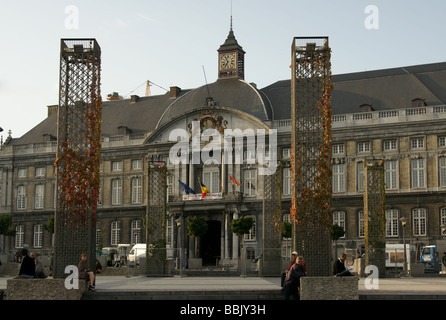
{"type": "Point", "coordinates": [43, 289]}
{"type": "Point", "coordinates": [329, 288]}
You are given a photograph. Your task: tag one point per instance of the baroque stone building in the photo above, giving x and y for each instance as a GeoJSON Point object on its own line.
{"type": "Point", "coordinates": [397, 115]}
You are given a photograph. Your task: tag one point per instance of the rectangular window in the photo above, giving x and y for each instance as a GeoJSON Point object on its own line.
{"type": "Point", "coordinates": [338, 149]}
{"type": "Point", "coordinates": [22, 173]}
{"type": "Point", "coordinates": [136, 164]}
{"type": "Point", "coordinates": [249, 184]}
{"type": "Point", "coordinates": [170, 183]}
{"type": "Point", "coordinates": [40, 172]}
{"type": "Point", "coordinates": [117, 166]}
{"type": "Point", "coordinates": [442, 141]}
{"type": "Point", "coordinates": [389, 145]}
{"type": "Point", "coordinates": [417, 173]}
{"type": "Point", "coordinates": [21, 198]}
{"type": "Point", "coordinates": [211, 179]}
{"type": "Point", "coordinates": [361, 224]}
{"type": "Point", "coordinates": [417, 143]}
{"type": "Point", "coordinates": [286, 183]}
{"type": "Point", "coordinates": [137, 190]}
{"type": "Point", "coordinates": [338, 178]}
{"type": "Point", "coordinates": [442, 171]}
{"type": "Point", "coordinates": [360, 176]}
{"type": "Point", "coordinates": [116, 191]}
{"type": "Point", "coordinates": [286, 153]}
{"type": "Point", "coordinates": [38, 198]}
{"type": "Point", "coordinates": [390, 168]}
{"type": "Point", "coordinates": [364, 146]}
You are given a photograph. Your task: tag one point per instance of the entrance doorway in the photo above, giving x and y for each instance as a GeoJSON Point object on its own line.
{"type": "Point", "coordinates": [210, 243]}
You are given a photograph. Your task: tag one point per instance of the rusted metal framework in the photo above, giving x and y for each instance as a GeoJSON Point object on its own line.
{"type": "Point", "coordinates": [78, 153]}
{"type": "Point", "coordinates": [311, 141]}
{"type": "Point", "coordinates": [374, 215]}
{"type": "Point", "coordinates": [272, 186]}
{"type": "Point", "coordinates": [156, 218]}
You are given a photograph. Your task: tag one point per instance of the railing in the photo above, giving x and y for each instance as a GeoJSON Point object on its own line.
{"type": "Point", "coordinates": [379, 117]}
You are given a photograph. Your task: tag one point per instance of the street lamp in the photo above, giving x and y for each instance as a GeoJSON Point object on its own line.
{"type": "Point", "coordinates": [180, 264]}
{"type": "Point", "coordinates": [403, 221]}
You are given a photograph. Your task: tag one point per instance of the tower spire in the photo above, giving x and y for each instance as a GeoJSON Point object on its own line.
{"type": "Point", "coordinates": [230, 25]}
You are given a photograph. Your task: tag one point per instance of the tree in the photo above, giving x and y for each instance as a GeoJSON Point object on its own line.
{"type": "Point", "coordinates": [196, 227]}
{"type": "Point", "coordinates": [6, 227]}
{"type": "Point", "coordinates": [240, 227]}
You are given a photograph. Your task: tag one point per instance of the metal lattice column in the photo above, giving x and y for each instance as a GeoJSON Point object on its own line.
{"type": "Point", "coordinates": [78, 153]}
{"type": "Point", "coordinates": [271, 239]}
{"type": "Point", "coordinates": [374, 216]}
{"type": "Point", "coordinates": [311, 140]}
{"type": "Point", "coordinates": [156, 218]}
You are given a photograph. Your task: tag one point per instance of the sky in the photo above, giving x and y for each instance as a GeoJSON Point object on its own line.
{"type": "Point", "coordinates": [175, 42]}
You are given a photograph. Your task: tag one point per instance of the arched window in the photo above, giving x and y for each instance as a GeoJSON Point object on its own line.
{"type": "Point", "coordinates": [115, 233]}
{"type": "Point", "coordinates": [339, 219]}
{"type": "Point", "coordinates": [392, 223]}
{"type": "Point", "coordinates": [136, 231]}
{"type": "Point", "coordinates": [419, 221]}
{"type": "Point", "coordinates": [19, 236]}
{"type": "Point", "coordinates": [252, 232]}
{"type": "Point", "coordinates": [38, 236]}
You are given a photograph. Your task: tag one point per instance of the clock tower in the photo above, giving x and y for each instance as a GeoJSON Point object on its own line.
{"type": "Point", "coordinates": [231, 59]}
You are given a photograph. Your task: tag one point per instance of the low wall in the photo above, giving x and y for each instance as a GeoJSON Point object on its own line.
{"type": "Point", "coordinates": [43, 289]}
{"type": "Point", "coordinates": [329, 288]}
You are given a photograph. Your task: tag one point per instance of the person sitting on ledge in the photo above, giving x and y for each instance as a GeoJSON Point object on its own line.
{"type": "Point", "coordinates": [339, 269]}
{"type": "Point", "coordinates": [27, 267]}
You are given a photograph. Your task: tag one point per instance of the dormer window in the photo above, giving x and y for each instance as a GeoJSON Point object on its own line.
{"type": "Point", "coordinates": [366, 108]}
{"type": "Point", "coordinates": [124, 130]}
{"type": "Point", "coordinates": [418, 103]}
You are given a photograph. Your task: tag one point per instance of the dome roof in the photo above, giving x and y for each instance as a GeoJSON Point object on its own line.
{"type": "Point", "coordinates": [228, 93]}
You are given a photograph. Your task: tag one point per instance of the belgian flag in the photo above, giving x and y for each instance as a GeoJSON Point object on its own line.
{"type": "Point", "coordinates": [204, 190]}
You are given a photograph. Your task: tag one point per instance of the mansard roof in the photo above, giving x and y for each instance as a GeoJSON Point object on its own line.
{"type": "Point", "coordinates": [382, 89]}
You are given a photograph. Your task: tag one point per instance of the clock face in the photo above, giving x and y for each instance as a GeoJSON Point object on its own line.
{"type": "Point", "coordinates": [227, 61]}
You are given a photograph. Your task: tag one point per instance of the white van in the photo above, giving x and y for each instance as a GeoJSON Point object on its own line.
{"type": "Point", "coordinates": [138, 251]}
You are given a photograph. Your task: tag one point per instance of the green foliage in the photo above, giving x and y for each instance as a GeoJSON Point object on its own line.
{"type": "Point", "coordinates": [5, 225]}
{"type": "Point", "coordinates": [50, 226]}
{"type": "Point", "coordinates": [337, 232]}
{"type": "Point", "coordinates": [196, 227]}
{"type": "Point", "coordinates": [242, 225]}
{"type": "Point", "coordinates": [286, 231]}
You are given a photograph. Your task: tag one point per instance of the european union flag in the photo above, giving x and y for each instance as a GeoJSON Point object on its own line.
{"type": "Point", "coordinates": [186, 188]}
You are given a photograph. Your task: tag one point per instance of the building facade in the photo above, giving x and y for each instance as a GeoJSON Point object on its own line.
{"type": "Point", "coordinates": [396, 115]}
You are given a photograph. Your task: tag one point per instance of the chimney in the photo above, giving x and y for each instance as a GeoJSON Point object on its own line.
{"type": "Point", "coordinates": [134, 98]}
{"type": "Point", "coordinates": [52, 109]}
{"type": "Point", "coordinates": [174, 92]}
